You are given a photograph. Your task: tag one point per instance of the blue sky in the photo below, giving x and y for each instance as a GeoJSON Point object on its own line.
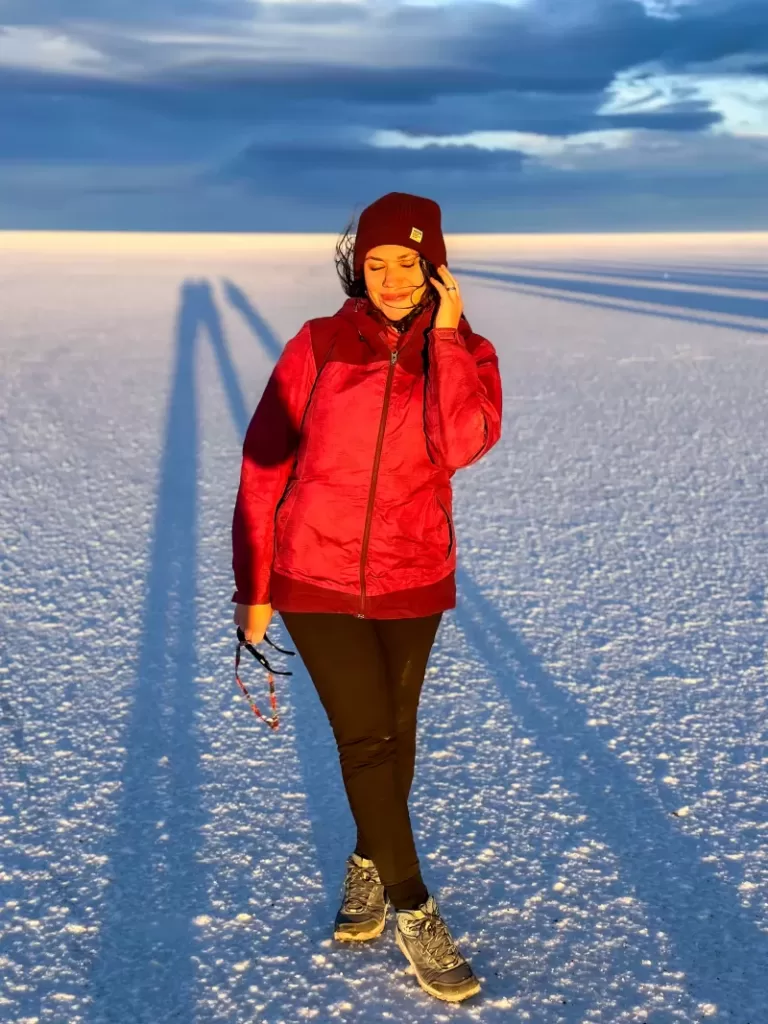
{"type": "Point", "coordinates": [535, 115]}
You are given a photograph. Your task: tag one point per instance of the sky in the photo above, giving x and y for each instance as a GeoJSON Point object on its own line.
{"type": "Point", "coordinates": [238, 115]}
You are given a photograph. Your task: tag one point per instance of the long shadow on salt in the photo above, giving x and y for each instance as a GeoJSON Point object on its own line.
{"type": "Point", "coordinates": [734, 278]}
{"type": "Point", "coordinates": [715, 941]}
{"type": "Point", "coordinates": [321, 777]}
{"type": "Point", "coordinates": [667, 302]}
{"type": "Point", "coordinates": [144, 971]}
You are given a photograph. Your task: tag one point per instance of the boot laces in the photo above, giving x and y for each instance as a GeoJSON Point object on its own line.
{"type": "Point", "coordinates": [358, 884]}
{"type": "Point", "coordinates": [438, 942]}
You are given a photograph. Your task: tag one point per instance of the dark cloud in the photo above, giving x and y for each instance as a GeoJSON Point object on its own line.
{"type": "Point", "coordinates": [292, 167]}
{"type": "Point", "coordinates": [242, 88]}
{"type": "Point", "coordinates": [716, 29]}
{"type": "Point", "coordinates": [694, 120]}
{"type": "Point", "coordinates": [466, 47]}
{"type": "Point", "coordinates": [64, 13]}
{"type": "Point", "coordinates": [349, 83]}
{"type": "Point", "coordinates": [583, 55]}
{"type": "Point", "coordinates": [58, 125]}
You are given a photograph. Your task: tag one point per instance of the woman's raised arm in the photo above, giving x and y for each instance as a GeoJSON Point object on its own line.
{"type": "Point", "coordinates": [463, 403]}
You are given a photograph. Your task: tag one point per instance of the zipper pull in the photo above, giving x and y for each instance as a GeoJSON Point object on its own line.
{"type": "Point", "coordinates": [393, 357]}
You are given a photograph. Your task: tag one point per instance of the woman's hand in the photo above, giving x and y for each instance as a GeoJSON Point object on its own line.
{"type": "Point", "coordinates": [254, 620]}
{"type": "Point", "coordinates": [450, 309]}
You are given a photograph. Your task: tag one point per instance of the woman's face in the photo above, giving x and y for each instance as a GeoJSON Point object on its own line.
{"type": "Point", "coordinates": [394, 279]}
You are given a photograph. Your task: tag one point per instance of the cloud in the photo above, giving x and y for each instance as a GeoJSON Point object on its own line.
{"type": "Point", "coordinates": [542, 45]}
{"type": "Point", "coordinates": [737, 102]}
{"type": "Point", "coordinates": [47, 51]}
{"type": "Point", "coordinates": [293, 99]}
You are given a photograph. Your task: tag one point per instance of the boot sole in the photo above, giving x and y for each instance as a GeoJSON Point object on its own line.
{"type": "Point", "coordinates": [359, 936]}
{"type": "Point", "coordinates": [447, 997]}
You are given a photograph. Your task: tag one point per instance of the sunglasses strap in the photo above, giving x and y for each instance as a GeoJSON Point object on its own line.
{"type": "Point", "coordinates": [272, 721]}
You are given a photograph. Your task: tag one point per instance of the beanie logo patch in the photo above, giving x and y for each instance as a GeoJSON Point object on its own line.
{"type": "Point", "coordinates": [416, 235]}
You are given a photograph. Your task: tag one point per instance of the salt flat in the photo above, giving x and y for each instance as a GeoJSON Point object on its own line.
{"type": "Point", "coordinates": [591, 790]}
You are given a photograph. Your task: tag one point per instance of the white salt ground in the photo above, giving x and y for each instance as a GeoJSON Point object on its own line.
{"type": "Point", "coordinates": [590, 798]}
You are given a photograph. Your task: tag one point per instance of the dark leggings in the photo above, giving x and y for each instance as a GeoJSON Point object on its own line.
{"type": "Point", "coordinates": [368, 674]}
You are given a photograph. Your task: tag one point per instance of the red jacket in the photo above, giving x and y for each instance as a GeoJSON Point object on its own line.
{"type": "Point", "coordinates": [345, 497]}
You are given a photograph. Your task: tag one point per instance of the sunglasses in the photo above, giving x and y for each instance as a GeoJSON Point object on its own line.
{"type": "Point", "coordinates": [273, 721]}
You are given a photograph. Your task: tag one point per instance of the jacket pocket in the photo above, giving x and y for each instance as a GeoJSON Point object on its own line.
{"type": "Point", "coordinates": [450, 528]}
{"type": "Point", "coordinates": [282, 512]}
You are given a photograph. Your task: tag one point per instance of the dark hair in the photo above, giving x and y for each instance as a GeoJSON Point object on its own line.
{"type": "Point", "coordinates": [354, 286]}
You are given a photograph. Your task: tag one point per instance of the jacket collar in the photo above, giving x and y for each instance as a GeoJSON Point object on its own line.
{"type": "Point", "coordinates": [371, 326]}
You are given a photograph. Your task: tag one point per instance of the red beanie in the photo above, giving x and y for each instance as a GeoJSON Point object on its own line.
{"type": "Point", "coordinates": [399, 218]}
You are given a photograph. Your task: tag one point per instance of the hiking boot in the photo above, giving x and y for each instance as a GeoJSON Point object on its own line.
{"type": "Point", "coordinates": [363, 912]}
{"type": "Point", "coordinates": [441, 970]}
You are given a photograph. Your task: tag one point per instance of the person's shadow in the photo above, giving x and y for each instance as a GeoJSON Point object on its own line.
{"type": "Point", "coordinates": [145, 971]}
{"type": "Point", "coordinates": [308, 729]}
{"type": "Point", "coordinates": [713, 939]}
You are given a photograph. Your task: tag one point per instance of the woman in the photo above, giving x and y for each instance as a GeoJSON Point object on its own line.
{"type": "Point", "coordinates": [343, 524]}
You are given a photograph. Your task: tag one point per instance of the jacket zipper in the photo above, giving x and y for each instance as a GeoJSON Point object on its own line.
{"type": "Point", "coordinates": [374, 477]}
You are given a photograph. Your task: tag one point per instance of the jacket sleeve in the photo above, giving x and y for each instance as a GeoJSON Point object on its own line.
{"type": "Point", "coordinates": [269, 450]}
{"type": "Point", "coordinates": [462, 403]}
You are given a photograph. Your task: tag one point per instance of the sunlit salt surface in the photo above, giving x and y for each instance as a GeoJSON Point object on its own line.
{"type": "Point", "coordinates": [590, 798]}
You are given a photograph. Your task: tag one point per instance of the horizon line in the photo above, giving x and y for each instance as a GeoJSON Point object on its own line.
{"type": "Point", "coordinates": [66, 239]}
